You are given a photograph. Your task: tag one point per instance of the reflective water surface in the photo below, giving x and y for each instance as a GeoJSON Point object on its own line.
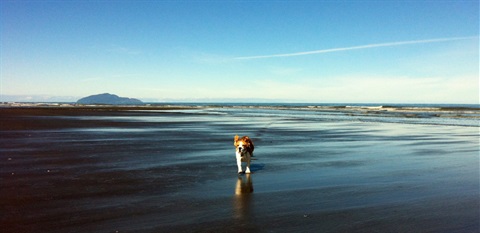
{"type": "Point", "coordinates": [175, 171]}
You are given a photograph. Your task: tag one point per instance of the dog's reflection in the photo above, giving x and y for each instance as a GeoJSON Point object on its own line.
{"type": "Point", "coordinates": [243, 197]}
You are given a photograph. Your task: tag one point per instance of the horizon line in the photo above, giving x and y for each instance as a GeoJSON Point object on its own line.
{"type": "Point", "coordinates": [367, 46]}
{"type": "Point", "coordinates": [245, 101]}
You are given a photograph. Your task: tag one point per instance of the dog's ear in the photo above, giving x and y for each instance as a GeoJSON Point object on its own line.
{"type": "Point", "coordinates": [249, 143]}
{"type": "Point", "coordinates": [246, 141]}
{"type": "Point", "coordinates": [235, 139]}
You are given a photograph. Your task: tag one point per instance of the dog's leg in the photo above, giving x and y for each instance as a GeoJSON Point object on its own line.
{"type": "Point", "coordinates": [247, 169]}
{"type": "Point", "coordinates": [239, 163]}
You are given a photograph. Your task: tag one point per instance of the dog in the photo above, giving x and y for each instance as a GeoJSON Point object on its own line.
{"type": "Point", "coordinates": [244, 152]}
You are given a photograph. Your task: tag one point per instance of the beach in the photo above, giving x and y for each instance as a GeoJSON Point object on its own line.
{"type": "Point", "coordinates": [173, 169]}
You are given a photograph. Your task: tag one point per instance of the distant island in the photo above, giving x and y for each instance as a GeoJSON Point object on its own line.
{"type": "Point", "coordinates": [109, 99]}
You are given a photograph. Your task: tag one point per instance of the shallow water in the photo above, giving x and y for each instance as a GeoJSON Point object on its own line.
{"type": "Point", "coordinates": [174, 171]}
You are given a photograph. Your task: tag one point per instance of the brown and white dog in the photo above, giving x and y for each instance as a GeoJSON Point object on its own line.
{"type": "Point", "coordinates": [243, 152]}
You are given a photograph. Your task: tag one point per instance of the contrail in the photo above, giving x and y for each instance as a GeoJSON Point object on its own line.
{"type": "Point", "coordinates": [390, 44]}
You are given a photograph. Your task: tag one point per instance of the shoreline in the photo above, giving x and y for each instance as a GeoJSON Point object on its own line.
{"type": "Point", "coordinates": [434, 115]}
{"type": "Point", "coordinates": [473, 108]}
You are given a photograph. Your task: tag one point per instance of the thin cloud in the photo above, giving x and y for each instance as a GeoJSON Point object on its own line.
{"type": "Point", "coordinates": [368, 46]}
{"type": "Point", "coordinates": [123, 50]}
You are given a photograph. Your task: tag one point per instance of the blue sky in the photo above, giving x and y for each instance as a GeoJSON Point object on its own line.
{"type": "Point", "coordinates": [332, 51]}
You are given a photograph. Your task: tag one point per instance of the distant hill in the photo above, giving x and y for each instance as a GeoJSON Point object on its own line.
{"type": "Point", "coordinates": [107, 98]}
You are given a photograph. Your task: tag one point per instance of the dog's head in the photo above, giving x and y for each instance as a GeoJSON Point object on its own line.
{"type": "Point", "coordinates": [243, 144]}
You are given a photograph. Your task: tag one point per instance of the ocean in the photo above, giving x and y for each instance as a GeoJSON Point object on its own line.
{"type": "Point", "coordinates": [171, 168]}
{"type": "Point", "coordinates": [436, 114]}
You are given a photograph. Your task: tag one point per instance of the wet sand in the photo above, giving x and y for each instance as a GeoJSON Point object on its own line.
{"type": "Point", "coordinates": [173, 170]}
